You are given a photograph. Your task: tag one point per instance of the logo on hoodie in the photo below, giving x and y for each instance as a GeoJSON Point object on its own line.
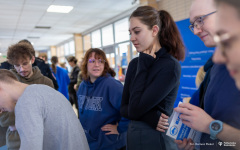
{"type": "Point", "coordinates": [90, 103]}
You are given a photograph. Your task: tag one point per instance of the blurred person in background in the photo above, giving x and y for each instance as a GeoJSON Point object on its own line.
{"type": "Point", "coordinates": [44, 57]}
{"type": "Point", "coordinates": [63, 65]}
{"type": "Point", "coordinates": [61, 76]}
{"type": "Point", "coordinates": [99, 100]}
{"type": "Point", "coordinates": [79, 78]}
{"type": "Point", "coordinates": [73, 80]}
{"type": "Point", "coordinates": [6, 65]}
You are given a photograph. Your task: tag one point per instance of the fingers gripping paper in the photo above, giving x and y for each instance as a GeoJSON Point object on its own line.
{"type": "Point", "coordinates": [177, 130]}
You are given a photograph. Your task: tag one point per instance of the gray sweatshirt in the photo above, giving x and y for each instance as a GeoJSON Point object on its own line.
{"type": "Point", "coordinates": [45, 120]}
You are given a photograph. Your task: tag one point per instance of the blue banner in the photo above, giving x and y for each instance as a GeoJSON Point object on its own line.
{"type": "Point", "coordinates": [197, 55]}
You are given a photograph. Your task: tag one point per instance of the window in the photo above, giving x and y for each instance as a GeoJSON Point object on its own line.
{"type": "Point", "coordinates": [111, 60]}
{"type": "Point", "coordinates": [107, 35]}
{"type": "Point", "coordinates": [123, 57]}
{"type": "Point", "coordinates": [66, 49]}
{"type": "Point", "coordinates": [96, 39]}
{"type": "Point", "coordinates": [121, 30]}
{"type": "Point", "coordinates": [72, 48]}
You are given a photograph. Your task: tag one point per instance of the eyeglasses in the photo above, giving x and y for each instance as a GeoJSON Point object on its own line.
{"type": "Point", "coordinates": [99, 61]}
{"type": "Point", "coordinates": [24, 65]}
{"type": "Point", "coordinates": [198, 23]}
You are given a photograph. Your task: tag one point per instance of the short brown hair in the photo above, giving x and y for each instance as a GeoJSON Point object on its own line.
{"type": "Point", "coordinates": [19, 51]}
{"type": "Point", "coordinates": [72, 59]}
{"type": "Point", "coordinates": [44, 55]}
{"type": "Point", "coordinates": [30, 44]}
{"type": "Point", "coordinates": [98, 54]}
{"type": "Point", "coordinates": [7, 76]}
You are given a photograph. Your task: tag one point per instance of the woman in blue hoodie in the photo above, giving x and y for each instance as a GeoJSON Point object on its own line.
{"type": "Point", "coordinates": [99, 101]}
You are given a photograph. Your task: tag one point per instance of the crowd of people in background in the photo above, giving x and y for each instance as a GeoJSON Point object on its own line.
{"type": "Point", "coordinates": [36, 98]}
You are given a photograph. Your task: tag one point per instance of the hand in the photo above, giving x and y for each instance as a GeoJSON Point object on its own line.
{"type": "Point", "coordinates": [12, 128]}
{"type": "Point", "coordinates": [111, 128]}
{"type": "Point", "coordinates": [186, 144]}
{"type": "Point", "coordinates": [162, 123]}
{"type": "Point", "coordinates": [194, 117]}
{"type": "Point", "coordinates": [151, 51]}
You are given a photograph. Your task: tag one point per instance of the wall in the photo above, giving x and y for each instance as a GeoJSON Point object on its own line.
{"type": "Point", "coordinates": [179, 9]}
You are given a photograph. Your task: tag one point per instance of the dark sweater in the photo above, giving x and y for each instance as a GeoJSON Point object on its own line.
{"type": "Point", "coordinates": [203, 87]}
{"type": "Point", "coordinates": [150, 87]}
{"type": "Point", "coordinates": [221, 102]}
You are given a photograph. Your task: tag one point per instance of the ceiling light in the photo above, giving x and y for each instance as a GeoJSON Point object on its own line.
{"type": "Point", "coordinates": [42, 27]}
{"type": "Point", "coordinates": [33, 37]}
{"type": "Point", "coordinates": [59, 9]}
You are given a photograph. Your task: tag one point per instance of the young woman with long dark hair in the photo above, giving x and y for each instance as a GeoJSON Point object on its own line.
{"type": "Point", "coordinates": [152, 79]}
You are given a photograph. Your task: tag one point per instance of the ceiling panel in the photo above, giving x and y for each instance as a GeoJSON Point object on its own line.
{"type": "Point", "coordinates": [19, 18]}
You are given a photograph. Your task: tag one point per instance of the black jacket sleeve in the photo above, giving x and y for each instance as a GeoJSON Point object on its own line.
{"type": "Point", "coordinates": [126, 92]}
{"type": "Point", "coordinates": [50, 76]}
{"type": "Point", "coordinates": [45, 70]}
{"type": "Point", "coordinates": [74, 75]}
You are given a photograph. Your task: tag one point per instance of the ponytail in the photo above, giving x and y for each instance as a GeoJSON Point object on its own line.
{"type": "Point", "coordinates": [54, 61]}
{"type": "Point", "coordinates": [169, 36]}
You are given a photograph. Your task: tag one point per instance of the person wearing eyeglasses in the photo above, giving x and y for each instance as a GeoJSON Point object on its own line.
{"type": "Point", "coordinates": [21, 57]}
{"type": "Point", "coordinates": [99, 100]}
{"type": "Point", "coordinates": [202, 24]}
{"type": "Point", "coordinates": [227, 52]}
{"type": "Point", "coordinates": [221, 100]}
